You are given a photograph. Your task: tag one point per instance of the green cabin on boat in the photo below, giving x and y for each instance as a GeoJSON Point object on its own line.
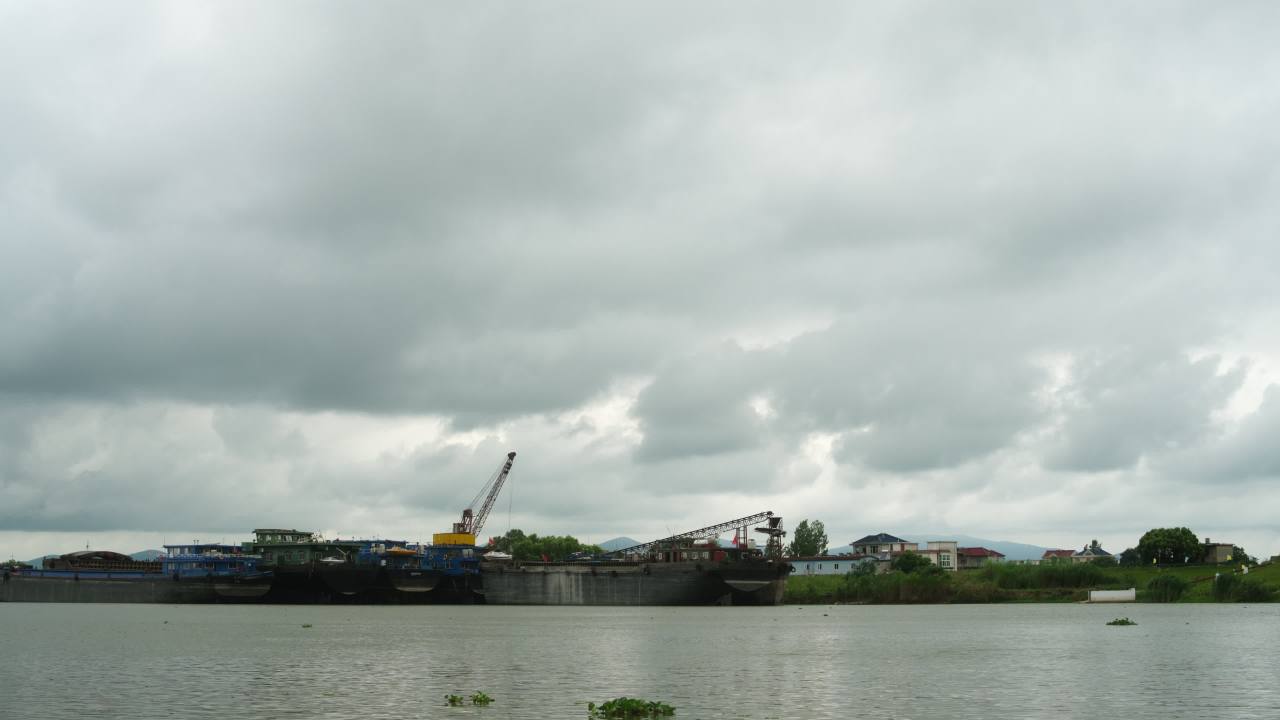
{"type": "Point", "coordinates": [280, 547]}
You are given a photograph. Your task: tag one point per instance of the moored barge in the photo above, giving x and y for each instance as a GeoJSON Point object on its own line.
{"type": "Point", "coordinates": [312, 570]}
{"type": "Point", "coordinates": [195, 573]}
{"type": "Point", "coordinates": [685, 569]}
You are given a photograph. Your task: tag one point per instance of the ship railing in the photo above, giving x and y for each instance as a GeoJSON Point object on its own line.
{"type": "Point", "coordinates": [110, 565]}
{"type": "Point", "coordinates": [89, 574]}
{"type": "Point", "coordinates": [216, 572]}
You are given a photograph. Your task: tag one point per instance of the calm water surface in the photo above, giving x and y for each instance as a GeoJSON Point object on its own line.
{"type": "Point", "coordinates": [986, 661]}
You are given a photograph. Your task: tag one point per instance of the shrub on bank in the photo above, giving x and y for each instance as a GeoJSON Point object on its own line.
{"type": "Point", "coordinates": [1166, 588]}
{"type": "Point", "coordinates": [1237, 588]}
{"type": "Point", "coordinates": [891, 587]}
{"type": "Point", "coordinates": [1029, 583]}
{"type": "Point", "coordinates": [1252, 590]}
{"type": "Point", "coordinates": [1224, 587]}
{"type": "Point", "coordinates": [966, 590]}
{"type": "Point", "coordinates": [900, 587]}
{"type": "Point", "coordinates": [1046, 575]}
{"type": "Point", "coordinates": [815, 589]}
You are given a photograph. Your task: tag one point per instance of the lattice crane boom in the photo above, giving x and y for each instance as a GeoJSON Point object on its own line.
{"type": "Point", "coordinates": [709, 530]}
{"type": "Point", "coordinates": [472, 519]}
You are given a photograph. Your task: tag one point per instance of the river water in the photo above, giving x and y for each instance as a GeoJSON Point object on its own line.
{"type": "Point", "coordinates": [980, 661]}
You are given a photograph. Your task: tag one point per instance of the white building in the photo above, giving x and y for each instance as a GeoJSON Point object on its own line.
{"type": "Point", "coordinates": [826, 564]}
{"type": "Point", "coordinates": [941, 553]}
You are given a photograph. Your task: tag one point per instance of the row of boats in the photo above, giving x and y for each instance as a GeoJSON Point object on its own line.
{"type": "Point", "coordinates": [291, 566]}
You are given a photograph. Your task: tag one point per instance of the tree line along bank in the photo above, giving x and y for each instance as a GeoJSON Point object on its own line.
{"type": "Point", "coordinates": [1166, 565]}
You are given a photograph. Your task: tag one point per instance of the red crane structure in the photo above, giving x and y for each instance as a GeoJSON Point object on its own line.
{"type": "Point", "coordinates": [773, 528]}
{"type": "Point", "coordinates": [465, 531]}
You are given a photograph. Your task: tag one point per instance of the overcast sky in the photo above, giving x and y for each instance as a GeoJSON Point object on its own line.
{"type": "Point", "coordinates": [1001, 269]}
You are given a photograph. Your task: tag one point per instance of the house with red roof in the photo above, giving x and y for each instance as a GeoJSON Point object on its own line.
{"type": "Point", "coordinates": [1057, 556]}
{"type": "Point", "coordinates": [971, 558]}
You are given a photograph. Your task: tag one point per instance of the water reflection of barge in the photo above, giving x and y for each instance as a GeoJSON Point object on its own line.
{"type": "Point", "coordinates": [198, 573]}
{"type": "Point", "coordinates": [684, 569]}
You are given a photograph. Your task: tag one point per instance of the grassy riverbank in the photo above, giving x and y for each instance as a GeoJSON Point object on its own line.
{"type": "Point", "coordinates": [1040, 583]}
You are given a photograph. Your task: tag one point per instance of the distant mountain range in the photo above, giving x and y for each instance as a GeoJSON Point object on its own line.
{"type": "Point", "coordinates": [1011, 550]}
{"type": "Point", "coordinates": [618, 543]}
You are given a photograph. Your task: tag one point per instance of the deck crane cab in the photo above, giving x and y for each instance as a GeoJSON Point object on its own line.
{"type": "Point", "coordinates": [465, 531]}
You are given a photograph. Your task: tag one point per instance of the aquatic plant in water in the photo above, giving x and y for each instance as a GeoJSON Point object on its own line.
{"type": "Point", "coordinates": [625, 707]}
{"type": "Point", "coordinates": [1122, 621]}
{"type": "Point", "coordinates": [477, 698]}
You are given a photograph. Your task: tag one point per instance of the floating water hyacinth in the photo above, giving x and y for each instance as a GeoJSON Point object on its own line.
{"type": "Point", "coordinates": [625, 707]}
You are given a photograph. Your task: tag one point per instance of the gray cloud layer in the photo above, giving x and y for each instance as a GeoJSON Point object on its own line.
{"type": "Point", "coordinates": [967, 248]}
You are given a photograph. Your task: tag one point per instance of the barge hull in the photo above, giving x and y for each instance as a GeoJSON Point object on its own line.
{"type": "Point", "coordinates": [303, 585]}
{"type": "Point", "coordinates": [677, 583]}
{"type": "Point", "coordinates": [23, 588]}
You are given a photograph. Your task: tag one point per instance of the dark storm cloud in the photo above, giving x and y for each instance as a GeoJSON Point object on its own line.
{"type": "Point", "coordinates": [368, 217]}
{"type": "Point", "coordinates": [954, 390]}
{"type": "Point", "coordinates": [1243, 457]}
{"type": "Point", "coordinates": [701, 405]}
{"type": "Point", "coordinates": [1123, 407]}
{"type": "Point", "coordinates": [376, 216]}
{"type": "Point", "coordinates": [913, 391]}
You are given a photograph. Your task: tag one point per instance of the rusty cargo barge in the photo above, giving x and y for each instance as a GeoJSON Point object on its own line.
{"type": "Point", "coordinates": [686, 569]}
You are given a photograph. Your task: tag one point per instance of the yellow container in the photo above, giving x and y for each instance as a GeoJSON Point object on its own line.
{"type": "Point", "coordinates": [453, 539]}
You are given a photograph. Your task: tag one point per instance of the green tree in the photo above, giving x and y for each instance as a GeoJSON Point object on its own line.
{"type": "Point", "coordinates": [909, 562]}
{"type": "Point", "coordinates": [808, 539]}
{"type": "Point", "coordinates": [1239, 555]}
{"type": "Point", "coordinates": [532, 547]}
{"type": "Point", "coordinates": [862, 568]}
{"type": "Point", "coordinates": [506, 542]}
{"type": "Point", "coordinates": [1169, 546]}
{"type": "Point", "coordinates": [1130, 557]}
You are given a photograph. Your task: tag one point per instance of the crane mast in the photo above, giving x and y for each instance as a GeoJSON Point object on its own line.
{"type": "Point", "coordinates": [465, 531]}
